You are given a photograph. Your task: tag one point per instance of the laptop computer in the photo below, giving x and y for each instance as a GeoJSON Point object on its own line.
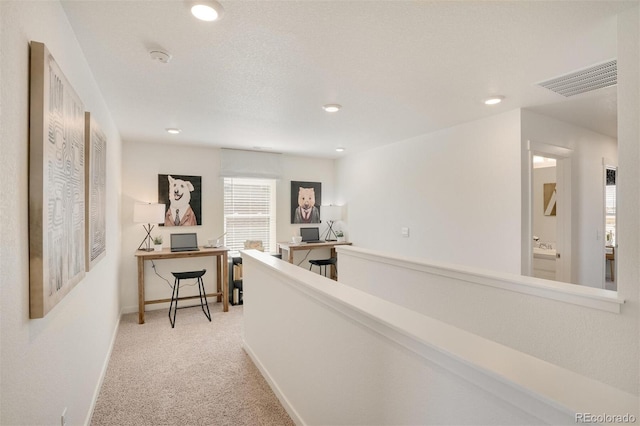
{"type": "Point", "coordinates": [184, 242]}
{"type": "Point", "coordinates": [310, 235]}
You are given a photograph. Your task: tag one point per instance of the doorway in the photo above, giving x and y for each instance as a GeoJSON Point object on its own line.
{"type": "Point", "coordinates": [610, 205]}
{"type": "Point", "coordinates": [549, 239]}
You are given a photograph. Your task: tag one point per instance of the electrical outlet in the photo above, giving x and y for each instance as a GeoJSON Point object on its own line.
{"type": "Point", "coordinates": [63, 418]}
{"type": "Point", "coordinates": [405, 232]}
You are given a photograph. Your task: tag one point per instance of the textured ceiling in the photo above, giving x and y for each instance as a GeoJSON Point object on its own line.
{"type": "Point", "coordinates": [259, 76]}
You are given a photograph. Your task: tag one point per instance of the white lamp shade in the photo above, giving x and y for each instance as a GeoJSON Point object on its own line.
{"type": "Point", "coordinates": [148, 213]}
{"type": "Point", "coordinates": [331, 213]}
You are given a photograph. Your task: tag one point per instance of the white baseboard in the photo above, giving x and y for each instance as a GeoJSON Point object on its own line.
{"type": "Point", "coordinates": [103, 372]}
{"type": "Point", "coordinates": [273, 385]}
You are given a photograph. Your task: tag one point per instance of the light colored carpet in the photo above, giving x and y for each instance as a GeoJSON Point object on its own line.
{"type": "Point", "coordinates": [194, 374]}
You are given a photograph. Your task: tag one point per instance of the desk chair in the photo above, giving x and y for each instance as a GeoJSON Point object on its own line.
{"type": "Point", "coordinates": [253, 244]}
{"type": "Point", "coordinates": [176, 289]}
{"type": "Point", "coordinates": [324, 262]}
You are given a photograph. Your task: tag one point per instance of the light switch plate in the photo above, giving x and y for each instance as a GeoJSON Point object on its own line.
{"type": "Point", "coordinates": [404, 231]}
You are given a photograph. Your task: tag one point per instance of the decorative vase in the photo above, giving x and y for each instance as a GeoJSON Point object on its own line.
{"type": "Point", "coordinates": [157, 247]}
{"type": "Point", "coordinates": [341, 239]}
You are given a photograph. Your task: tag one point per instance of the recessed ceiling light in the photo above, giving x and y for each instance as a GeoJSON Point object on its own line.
{"type": "Point", "coordinates": [493, 100]}
{"type": "Point", "coordinates": [340, 149]}
{"type": "Point", "coordinates": [331, 107]}
{"type": "Point", "coordinates": [173, 131]}
{"type": "Point", "coordinates": [207, 10]}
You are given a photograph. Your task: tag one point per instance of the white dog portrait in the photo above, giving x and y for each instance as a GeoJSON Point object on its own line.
{"type": "Point", "coordinates": [182, 196]}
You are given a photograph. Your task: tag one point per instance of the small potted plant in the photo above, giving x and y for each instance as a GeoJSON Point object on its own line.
{"type": "Point", "coordinates": [340, 236]}
{"type": "Point", "coordinates": [157, 243]}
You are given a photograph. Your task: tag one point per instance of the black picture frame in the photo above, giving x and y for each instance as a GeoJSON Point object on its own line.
{"type": "Point", "coordinates": [191, 214]}
{"type": "Point", "coordinates": [301, 191]}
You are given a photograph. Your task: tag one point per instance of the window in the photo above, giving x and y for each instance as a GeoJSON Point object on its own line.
{"type": "Point", "coordinates": [250, 212]}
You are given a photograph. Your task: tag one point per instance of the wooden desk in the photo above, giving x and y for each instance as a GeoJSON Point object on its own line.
{"type": "Point", "coordinates": [292, 247]}
{"type": "Point", "coordinates": [222, 272]}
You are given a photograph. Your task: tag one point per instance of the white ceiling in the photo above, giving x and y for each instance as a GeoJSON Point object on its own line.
{"type": "Point", "coordinates": [259, 76]}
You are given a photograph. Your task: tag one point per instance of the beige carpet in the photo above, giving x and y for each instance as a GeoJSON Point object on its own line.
{"type": "Point", "coordinates": [194, 374]}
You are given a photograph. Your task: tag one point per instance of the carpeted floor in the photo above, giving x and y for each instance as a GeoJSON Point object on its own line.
{"type": "Point", "coordinates": [194, 374]}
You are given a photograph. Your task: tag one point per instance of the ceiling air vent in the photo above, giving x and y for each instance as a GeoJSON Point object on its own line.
{"type": "Point", "coordinates": [586, 80]}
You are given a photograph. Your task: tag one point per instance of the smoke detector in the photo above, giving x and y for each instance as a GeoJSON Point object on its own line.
{"type": "Point", "coordinates": [160, 56]}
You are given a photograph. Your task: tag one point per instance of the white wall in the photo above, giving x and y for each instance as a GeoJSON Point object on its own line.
{"type": "Point", "coordinates": [587, 189]}
{"type": "Point", "coordinates": [515, 311]}
{"type": "Point", "coordinates": [628, 178]}
{"type": "Point", "coordinates": [141, 164]}
{"type": "Point", "coordinates": [57, 361]}
{"type": "Point", "coordinates": [405, 184]}
{"type": "Point", "coordinates": [458, 190]}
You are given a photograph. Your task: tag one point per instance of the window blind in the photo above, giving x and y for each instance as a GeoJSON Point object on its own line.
{"type": "Point", "coordinates": [249, 212]}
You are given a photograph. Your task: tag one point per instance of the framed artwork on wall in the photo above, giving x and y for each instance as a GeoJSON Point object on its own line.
{"type": "Point", "coordinates": [56, 184]}
{"type": "Point", "coordinates": [95, 191]}
{"type": "Point", "coordinates": [306, 199]}
{"type": "Point", "coordinates": [549, 191]}
{"type": "Point", "coordinates": [182, 196]}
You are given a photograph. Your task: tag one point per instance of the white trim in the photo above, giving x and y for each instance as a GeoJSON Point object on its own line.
{"type": "Point", "coordinates": [103, 372]}
{"type": "Point", "coordinates": [548, 149]}
{"type": "Point", "coordinates": [589, 297]}
{"type": "Point", "coordinates": [273, 384]}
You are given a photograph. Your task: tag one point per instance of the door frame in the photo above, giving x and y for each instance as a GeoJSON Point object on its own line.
{"type": "Point", "coordinates": [608, 163]}
{"type": "Point", "coordinates": [562, 156]}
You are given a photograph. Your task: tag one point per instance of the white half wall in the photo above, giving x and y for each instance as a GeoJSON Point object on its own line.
{"type": "Point", "coordinates": [335, 355]}
{"type": "Point", "coordinates": [56, 362]}
{"type": "Point", "coordinates": [457, 190]}
{"type": "Point", "coordinates": [556, 322]}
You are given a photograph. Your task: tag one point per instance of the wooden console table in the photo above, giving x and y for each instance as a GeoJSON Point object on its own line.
{"type": "Point", "coordinates": [222, 273]}
{"type": "Point", "coordinates": [292, 247]}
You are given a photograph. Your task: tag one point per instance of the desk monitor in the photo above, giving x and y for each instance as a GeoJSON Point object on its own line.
{"type": "Point", "coordinates": [184, 242]}
{"type": "Point", "coordinates": [310, 235]}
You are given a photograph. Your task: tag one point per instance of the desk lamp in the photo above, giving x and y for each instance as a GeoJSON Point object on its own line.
{"type": "Point", "coordinates": [331, 214]}
{"type": "Point", "coordinates": [148, 213]}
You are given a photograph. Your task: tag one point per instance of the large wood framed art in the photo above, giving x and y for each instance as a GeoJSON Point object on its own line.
{"type": "Point", "coordinates": [56, 184]}
{"type": "Point", "coordinates": [95, 191]}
